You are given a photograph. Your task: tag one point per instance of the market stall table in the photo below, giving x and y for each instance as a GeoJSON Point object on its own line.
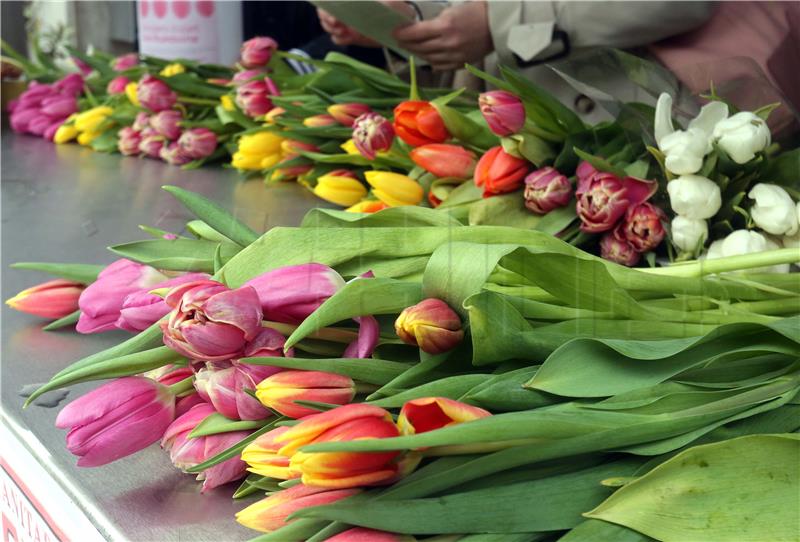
{"type": "Point", "coordinates": [66, 203]}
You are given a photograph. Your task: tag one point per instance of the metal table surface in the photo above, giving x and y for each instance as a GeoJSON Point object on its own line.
{"type": "Point", "coordinates": [66, 203]}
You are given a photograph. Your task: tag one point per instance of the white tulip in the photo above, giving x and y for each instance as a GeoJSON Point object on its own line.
{"type": "Point", "coordinates": [742, 136]}
{"type": "Point", "coordinates": [715, 249]}
{"type": "Point", "coordinates": [684, 150]}
{"type": "Point", "coordinates": [689, 234]}
{"type": "Point", "coordinates": [747, 242]}
{"type": "Point", "coordinates": [694, 196]}
{"type": "Point", "coordinates": [774, 210]}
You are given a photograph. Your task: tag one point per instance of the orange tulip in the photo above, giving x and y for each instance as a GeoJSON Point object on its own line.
{"type": "Point", "coordinates": [429, 413]}
{"type": "Point", "coordinates": [418, 123]}
{"type": "Point", "coordinates": [52, 299]}
{"type": "Point", "coordinates": [445, 160]}
{"type": "Point", "coordinates": [499, 172]}
{"type": "Point", "coordinates": [262, 456]}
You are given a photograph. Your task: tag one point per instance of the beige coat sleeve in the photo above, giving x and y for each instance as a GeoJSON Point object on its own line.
{"type": "Point", "coordinates": [526, 29]}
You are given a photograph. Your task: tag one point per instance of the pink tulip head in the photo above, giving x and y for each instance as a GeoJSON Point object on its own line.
{"type": "Point", "coordinates": [128, 141]}
{"type": "Point", "coordinates": [125, 62]}
{"type": "Point", "coordinates": [224, 388]}
{"type": "Point", "coordinates": [167, 123]}
{"type": "Point", "coordinates": [52, 299]}
{"type": "Point", "coordinates": [603, 199]}
{"type": "Point", "coordinates": [289, 294]}
{"type": "Point", "coordinates": [142, 123]}
{"type": "Point", "coordinates": [246, 75]}
{"type": "Point", "coordinates": [59, 106]}
{"type": "Point", "coordinates": [253, 97]}
{"type": "Point", "coordinates": [346, 114]}
{"type": "Point", "coordinates": [615, 248]}
{"type": "Point", "coordinates": [444, 160]}
{"type": "Point", "coordinates": [362, 534]}
{"type": "Point", "coordinates": [117, 85]}
{"type": "Point", "coordinates": [546, 189]}
{"type": "Point", "coordinates": [503, 111]}
{"type": "Point", "coordinates": [101, 301]}
{"type": "Point", "coordinates": [151, 143]}
{"type": "Point", "coordinates": [280, 391]}
{"type": "Point", "coordinates": [198, 142]}
{"type": "Point", "coordinates": [141, 309]}
{"type": "Point", "coordinates": [117, 419]}
{"type": "Point", "coordinates": [71, 84]}
{"type": "Point", "coordinates": [174, 155]}
{"type": "Point", "coordinates": [257, 52]}
{"type": "Point", "coordinates": [39, 124]}
{"type": "Point", "coordinates": [185, 452]}
{"type": "Point", "coordinates": [21, 118]}
{"type": "Point", "coordinates": [430, 324]}
{"type": "Point", "coordinates": [372, 134]}
{"type": "Point", "coordinates": [211, 322]}
{"type": "Point", "coordinates": [643, 226]}
{"type": "Point", "coordinates": [155, 94]}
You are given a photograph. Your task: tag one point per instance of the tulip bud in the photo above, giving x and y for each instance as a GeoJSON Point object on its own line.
{"type": "Point", "coordinates": [430, 413]}
{"type": "Point", "coordinates": [128, 141]}
{"type": "Point", "coordinates": [117, 85]}
{"type": "Point", "coordinates": [71, 84]}
{"type": "Point", "coordinates": [280, 392]}
{"type": "Point", "coordinates": [198, 143]}
{"type": "Point", "coordinates": [642, 226]}
{"type": "Point", "coordinates": [430, 324]}
{"type": "Point", "coordinates": [257, 52]}
{"type": "Point", "coordinates": [225, 389]}
{"type": "Point", "coordinates": [256, 151]}
{"type": "Point", "coordinates": [773, 211]}
{"type": "Point", "coordinates": [124, 62]}
{"type": "Point", "coordinates": [262, 456]}
{"type": "Point", "coordinates": [246, 75]}
{"type": "Point", "coordinates": [151, 145]}
{"type": "Point", "coordinates": [318, 121]}
{"type": "Point", "coordinates": [142, 122]}
{"type": "Point", "coordinates": [59, 106]}
{"type": "Point", "coordinates": [92, 119]}
{"type": "Point", "coordinates": [603, 199]}
{"type": "Point", "coordinates": [172, 69]}
{"type": "Point", "coordinates": [211, 322]}
{"type": "Point", "coordinates": [341, 187]}
{"type": "Point", "coordinates": [615, 248]}
{"type": "Point", "coordinates": [132, 93]}
{"type": "Point", "coordinates": [445, 160]}
{"type": "Point", "coordinates": [155, 94]}
{"type": "Point", "coordinates": [52, 299]}
{"type": "Point", "coordinates": [418, 123]}
{"type": "Point", "coordinates": [117, 419]}
{"type": "Point", "coordinates": [271, 513]}
{"type": "Point", "coordinates": [253, 97]}
{"type": "Point", "coordinates": [185, 452]}
{"type": "Point", "coordinates": [499, 172]}
{"type": "Point", "coordinates": [742, 135]}
{"type": "Point", "coordinates": [174, 155]}
{"type": "Point", "coordinates": [372, 134]}
{"type": "Point", "coordinates": [367, 206]}
{"type": "Point", "coordinates": [167, 123]}
{"type": "Point", "coordinates": [503, 111]}
{"type": "Point", "coordinates": [694, 196]}
{"type": "Point", "coordinates": [684, 150]}
{"type": "Point", "coordinates": [394, 189]}
{"type": "Point", "coordinates": [273, 114]}
{"type": "Point", "coordinates": [141, 309]}
{"type": "Point", "coordinates": [65, 133]}
{"type": "Point", "coordinates": [746, 242]}
{"type": "Point", "coordinates": [689, 234]}
{"type": "Point", "coordinates": [546, 189]}
{"type": "Point", "coordinates": [338, 470]}
{"type": "Point", "coordinates": [346, 114]}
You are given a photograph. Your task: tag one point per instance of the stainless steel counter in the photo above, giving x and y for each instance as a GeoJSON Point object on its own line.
{"type": "Point", "coordinates": [65, 203]}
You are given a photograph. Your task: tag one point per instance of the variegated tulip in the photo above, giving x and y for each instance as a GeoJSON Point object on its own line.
{"type": "Point", "coordinates": [430, 324]}
{"type": "Point", "coordinates": [280, 391]}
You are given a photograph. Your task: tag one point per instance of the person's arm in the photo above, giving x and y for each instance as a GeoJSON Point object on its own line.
{"type": "Point", "coordinates": [526, 33]}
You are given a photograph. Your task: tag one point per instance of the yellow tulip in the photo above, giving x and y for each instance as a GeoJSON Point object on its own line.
{"type": "Point", "coordinates": [85, 138]}
{"type": "Point", "coordinates": [65, 133]}
{"type": "Point", "coordinates": [172, 69]}
{"type": "Point", "coordinates": [394, 189]}
{"type": "Point", "coordinates": [247, 162]}
{"type": "Point", "coordinates": [273, 114]}
{"type": "Point", "coordinates": [130, 92]}
{"type": "Point", "coordinates": [341, 190]}
{"type": "Point", "coordinates": [261, 143]}
{"type": "Point", "coordinates": [350, 148]}
{"type": "Point", "coordinates": [227, 103]}
{"type": "Point", "coordinates": [91, 119]}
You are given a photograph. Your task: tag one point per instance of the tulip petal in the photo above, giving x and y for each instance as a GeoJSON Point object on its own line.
{"type": "Point", "coordinates": [663, 118]}
{"type": "Point", "coordinates": [240, 308]}
{"type": "Point", "coordinates": [107, 398]}
{"type": "Point", "coordinates": [429, 413]}
{"type": "Point", "coordinates": [368, 337]}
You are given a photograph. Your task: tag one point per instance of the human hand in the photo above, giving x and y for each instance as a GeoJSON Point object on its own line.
{"type": "Point", "coordinates": [459, 34]}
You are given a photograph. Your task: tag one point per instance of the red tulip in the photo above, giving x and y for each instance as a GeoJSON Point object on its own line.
{"type": "Point", "coordinates": [499, 172]}
{"type": "Point", "coordinates": [362, 534]}
{"type": "Point", "coordinates": [445, 160]}
{"type": "Point", "coordinates": [117, 85]}
{"type": "Point", "coordinates": [198, 143]}
{"type": "Point", "coordinates": [253, 97]}
{"type": "Point", "coordinates": [643, 226]}
{"type": "Point", "coordinates": [429, 413]}
{"type": "Point", "coordinates": [166, 123]}
{"type": "Point", "coordinates": [155, 94]}
{"type": "Point", "coordinates": [418, 123]}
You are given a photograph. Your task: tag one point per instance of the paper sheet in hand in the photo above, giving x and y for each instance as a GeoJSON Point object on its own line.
{"type": "Point", "coordinates": [373, 19]}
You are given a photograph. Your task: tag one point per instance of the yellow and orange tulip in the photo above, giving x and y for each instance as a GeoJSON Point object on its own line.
{"type": "Point", "coordinates": [262, 456]}
{"type": "Point", "coordinates": [280, 391]}
{"type": "Point", "coordinates": [430, 324]}
{"type": "Point", "coordinates": [429, 413]}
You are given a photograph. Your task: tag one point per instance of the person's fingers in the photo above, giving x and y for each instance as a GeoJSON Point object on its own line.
{"type": "Point", "coordinates": [421, 31]}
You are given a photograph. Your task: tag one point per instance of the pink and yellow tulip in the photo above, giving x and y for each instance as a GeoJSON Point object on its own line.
{"type": "Point", "coordinates": [52, 299]}
{"type": "Point", "coordinates": [280, 391]}
{"type": "Point", "coordinates": [430, 324]}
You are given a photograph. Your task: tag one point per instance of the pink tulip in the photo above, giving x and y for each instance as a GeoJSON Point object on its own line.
{"type": "Point", "coordinates": [603, 198]}
{"type": "Point", "coordinates": [346, 114]}
{"type": "Point", "coordinates": [102, 300]}
{"type": "Point", "coordinates": [141, 309]}
{"type": "Point", "coordinates": [615, 248]}
{"type": "Point", "coordinates": [116, 420]}
{"type": "Point", "coordinates": [22, 118]}
{"type": "Point", "coordinates": [59, 106]}
{"type": "Point", "coordinates": [289, 294]}
{"type": "Point", "coordinates": [211, 322]}
{"type": "Point", "coordinates": [546, 189]}
{"type": "Point", "coordinates": [71, 84]}
{"type": "Point", "coordinates": [174, 155]}
{"type": "Point", "coordinates": [52, 299]}
{"type": "Point", "coordinates": [155, 94]}
{"type": "Point", "coordinates": [253, 97]}
{"type": "Point", "coordinates": [247, 75]}
{"type": "Point", "coordinates": [39, 124]}
{"type": "Point", "coordinates": [372, 134]}
{"type": "Point", "coordinates": [280, 391]}
{"type": "Point", "coordinates": [503, 111]}
{"type": "Point", "coordinates": [167, 123]}
{"type": "Point", "coordinates": [151, 143]}
{"type": "Point", "coordinates": [117, 85]}
{"type": "Point", "coordinates": [141, 123]}
{"type": "Point", "coordinates": [584, 170]}
{"type": "Point", "coordinates": [368, 336]}
{"type": "Point", "coordinates": [257, 52]}
{"type": "Point", "coordinates": [362, 534]}
{"type": "Point", "coordinates": [643, 226]}
{"type": "Point", "coordinates": [198, 143]}
{"type": "Point", "coordinates": [124, 62]}
{"type": "Point", "coordinates": [128, 141]}
{"type": "Point", "coordinates": [185, 452]}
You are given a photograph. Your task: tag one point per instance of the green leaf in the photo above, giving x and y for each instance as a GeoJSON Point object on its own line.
{"type": "Point", "coordinates": [407, 217]}
{"type": "Point", "coordinates": [452, 387]}
{"type": "Point", "coordinates": [464, 128]}
{"type": "Point", "coordinates": [594, 530]}
{"type": "Point", "coordinates": [504, 210]}
{"type": "Point", "coordinates": [79, 272]}
{"type": "Point", "coordinates": [600, 164]}
{"type": "Point", "coordinates": [466, 192]}
{"type": "Point", "coordinates": [236, 449]}
{"type": "Point", "coordinates": [371, 371]}
{"type": "Point", "coordinates": [176, 254]}
{"type": "Point", "coordinates": [203, 231]}
{"type": "Point", "coordinates": [557, 220]}
{"type": "Point", "coordinates": [214, 215]}
{"type": "Point", "coordinates": [217, 423]}
{"type": "Point", "coordinates": [702, 490]}
{"type": "Point", "coordinates": [63, 322]}
{"type": "Point", "coordinates": [536, 150]}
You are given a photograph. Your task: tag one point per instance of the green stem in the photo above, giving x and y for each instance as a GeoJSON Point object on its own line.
{"type": "Point", "coordinates": [769, 306]}
{"type": "Point", "coordinates": [414, 93]}
{"type": "Point", "coordinates": [700, 268]}
{"type": "Point", "coordinates": [183, 386]}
